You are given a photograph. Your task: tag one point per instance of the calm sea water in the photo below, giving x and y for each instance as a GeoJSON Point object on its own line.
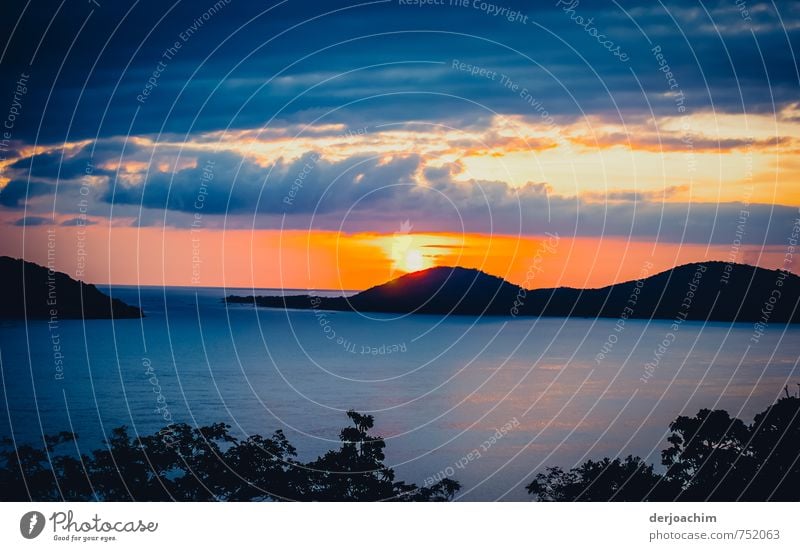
{"type": "Point", "coordinates": [438, 387]}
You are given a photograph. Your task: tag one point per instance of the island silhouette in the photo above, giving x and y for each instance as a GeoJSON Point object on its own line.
{"type": "Point", "coordinates": [35, 292]}
{"type": "Point", "coordinates": [713, 291]}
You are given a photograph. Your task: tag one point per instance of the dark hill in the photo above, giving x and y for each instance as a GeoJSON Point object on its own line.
{"type": "Point", "coordinates": [439, 290]}
{"type": "Point", "coordinates": [692, 292]}
{"type": "Point", "coordinates": [32, 291]}
{"type": "Point", "coordinates": [696, 291]}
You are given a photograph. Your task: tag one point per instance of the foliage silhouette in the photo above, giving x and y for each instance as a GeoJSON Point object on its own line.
{"type": "Point", "coordinates": [182, 463]}
{"type": "Point", "coordinates": [711, 456]}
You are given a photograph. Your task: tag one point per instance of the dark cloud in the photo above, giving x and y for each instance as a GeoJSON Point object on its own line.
{"type": "Point", "coordinates": [242, 68]}
{"type": "Point", "coordinates": [15, 192]}
{"type": "Point", "coordinates": [226, 183]}
{"type": "Point", "coordinates": [371, 193]}
{"type": "Point", "coordinates": [364, 66]}
{"type": "Point", "coordinates": [53, 165]}
{"type": "Point", "coordinates": [33, 221]}
{"type": "Point", "coordinates": [495, 207]}
{"type": "Point", "coordinates": [78, 222]}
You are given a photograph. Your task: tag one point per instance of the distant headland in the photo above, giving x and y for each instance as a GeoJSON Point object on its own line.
{"type": "Point", "coordinates": [713, 291]}
{"type": "Point", "coordinates": [35, 292]}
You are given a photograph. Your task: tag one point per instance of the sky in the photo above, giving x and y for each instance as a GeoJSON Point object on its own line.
{"type": "Point", "coordinates": [336, 145]}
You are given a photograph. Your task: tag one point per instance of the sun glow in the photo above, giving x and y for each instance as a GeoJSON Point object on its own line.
{"type": "Point", "coordinates": [413, 261]}
{"type": "Point", "coordinates": [410, 252]}
{"type": "Point", "coordinates": [406, 253]}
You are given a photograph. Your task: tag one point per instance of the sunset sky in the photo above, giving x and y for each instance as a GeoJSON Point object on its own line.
{"type": "Point", "coordinates": [335, 145]}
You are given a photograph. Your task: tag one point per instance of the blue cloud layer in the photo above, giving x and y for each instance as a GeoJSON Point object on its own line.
{"type": "Point", "coordinates": [246, 65]}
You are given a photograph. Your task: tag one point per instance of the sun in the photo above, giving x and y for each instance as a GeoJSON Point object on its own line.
{"type": "Point", "coordinates": [412, 261]}
{"type": "Point", "coordinates": [406, 253]}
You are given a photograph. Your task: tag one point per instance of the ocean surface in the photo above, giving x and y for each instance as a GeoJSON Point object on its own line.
{"type": "Point", "coordinates": [439, 387]}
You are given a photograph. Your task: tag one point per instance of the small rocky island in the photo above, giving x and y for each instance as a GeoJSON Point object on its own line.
{"type": "Point", "coordinates": [35, 292]}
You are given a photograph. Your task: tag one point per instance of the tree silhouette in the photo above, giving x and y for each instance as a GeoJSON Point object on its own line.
{"type": "Point", "coordinates": [712, 456]}
{"type": "Point", "coordinates": [628, 479]}
{"type": "Point", "coordinates": [708, 457]}
{"type": "Point", "coordinates": [355, 472]}
{"type": "Point", "coordinates": [209, 463]}
{"type": "Point", "coordinates": [775, 448]}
